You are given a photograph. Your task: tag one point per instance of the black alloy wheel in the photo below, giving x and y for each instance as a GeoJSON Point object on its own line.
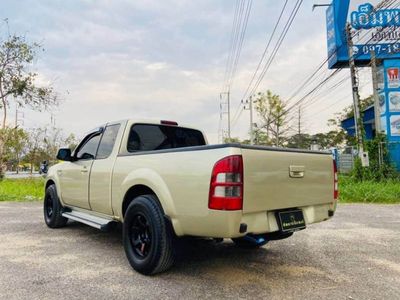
{"type": "Point", "coordinates": [148, 236]}
{"type": "Point", "coordinates": [141, 235]}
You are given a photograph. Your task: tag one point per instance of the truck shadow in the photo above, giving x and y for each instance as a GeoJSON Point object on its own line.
{"type": "Point", "coordinates": [194, 255]}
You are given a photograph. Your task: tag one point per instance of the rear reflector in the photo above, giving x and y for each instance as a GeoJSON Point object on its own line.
{"type": "Point", "coordinates": [164, 122]}
{"type": "Point", "coordinates": [335, 181]}
{"type": "Point", "coordinates": [226, 185]}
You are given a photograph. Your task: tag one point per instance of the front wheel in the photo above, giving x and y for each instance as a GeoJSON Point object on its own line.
{"type": "Point", "coordinates": [52, 209]}
{"type": "Point", "coordinates": [147, 237]}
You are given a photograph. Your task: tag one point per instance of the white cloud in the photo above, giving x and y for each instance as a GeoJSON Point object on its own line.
{"type": "Point", "coordinates": [160, 59]}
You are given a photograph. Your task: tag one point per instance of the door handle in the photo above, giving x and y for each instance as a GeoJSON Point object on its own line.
{"type": "Point", "coordinates": [84, 170]}
{"type": "Point", "coordinates": [296, 171]}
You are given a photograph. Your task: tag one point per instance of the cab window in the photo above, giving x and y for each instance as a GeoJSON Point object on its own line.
{"type": "Point", "coordinates": [89, 149]}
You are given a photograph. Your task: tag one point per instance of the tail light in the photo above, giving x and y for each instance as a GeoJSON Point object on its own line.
{"type": "Point", "coordinates": [335, 181]}
{"type": "Point", "coordinates": [226, 185]}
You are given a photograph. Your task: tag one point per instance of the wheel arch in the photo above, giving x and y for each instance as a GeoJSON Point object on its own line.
{"type": "Point", "coordinates": [140, 189]}
{"type": "Point", "coordinates": [49, 182]}
{"type": "Point", "coordinates": [136, 191]}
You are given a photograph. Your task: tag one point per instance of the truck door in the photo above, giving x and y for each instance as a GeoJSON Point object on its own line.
{"type": "Point", "coordinates": [74, 177]}
{"type": "Point", "coordinates": [102, 169]}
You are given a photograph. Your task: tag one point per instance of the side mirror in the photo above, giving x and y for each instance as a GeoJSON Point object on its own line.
{"type": "Point", "coordinates": [64, 154]}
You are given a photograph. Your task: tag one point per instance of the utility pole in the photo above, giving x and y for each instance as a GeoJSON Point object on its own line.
{"type": "Point", "coordinates": [374, 71]}
{"type": "Point", "coordinates": [356, 98]}
{"type": "Point", "coordinates": [299, 122]}
{"type": "Point", "coordinates": [18, 117]}
{"type": "Point", "coordinates": [249, 101]}
{"type": "Point", "coordinates": [228, 110]}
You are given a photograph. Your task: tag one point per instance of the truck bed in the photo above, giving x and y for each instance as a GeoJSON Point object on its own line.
{"type": "Point", "coordinates": [182, 180]}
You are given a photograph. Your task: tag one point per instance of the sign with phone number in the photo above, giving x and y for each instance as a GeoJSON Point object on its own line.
{"type": "Point", "coordinates": [380, 49]}
{"type": "Point", "coordinates": [373, 27]}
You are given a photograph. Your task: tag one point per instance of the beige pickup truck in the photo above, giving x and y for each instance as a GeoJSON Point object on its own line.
{"type": "Point", "coordinates": [162, 182]}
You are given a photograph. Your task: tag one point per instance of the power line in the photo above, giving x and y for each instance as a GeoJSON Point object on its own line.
{"type": "Point", "coordinates": [230, 53]}
{"type": "Point", "coordinates": [241, 39]}
{"type": "Point", "coordinates": [265, 49]}
{"type": "Point", "coordinates": [278, 44]}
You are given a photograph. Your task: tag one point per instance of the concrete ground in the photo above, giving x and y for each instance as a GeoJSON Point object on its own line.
{"type": "Point", "coordinates": [356, 255]}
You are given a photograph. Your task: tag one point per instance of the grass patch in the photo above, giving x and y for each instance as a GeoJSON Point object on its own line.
{"type": "Point", "coordinates": [350, 191]}
{"type": "Point", "coordinates": [24, 189]}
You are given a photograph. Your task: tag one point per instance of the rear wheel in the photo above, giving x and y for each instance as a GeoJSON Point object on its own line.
{"type": "Point", "coordinates": [52, 209]}
{"type": "Point", "coordinates": [148, 238]}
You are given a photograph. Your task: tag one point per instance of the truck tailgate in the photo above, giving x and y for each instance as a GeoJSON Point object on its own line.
{"type": "Point", "coordinates": [277, 179]}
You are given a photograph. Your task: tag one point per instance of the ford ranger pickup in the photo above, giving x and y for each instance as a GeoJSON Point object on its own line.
{"type": "Point", "coordinates": [162, 182]}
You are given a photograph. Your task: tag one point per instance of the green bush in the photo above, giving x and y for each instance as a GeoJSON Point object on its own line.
{"type": "Point", "coordinates": [377, 171]}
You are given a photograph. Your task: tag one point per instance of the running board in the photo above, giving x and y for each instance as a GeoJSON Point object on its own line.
{"type": "Point", "coordinates": [94, 221]}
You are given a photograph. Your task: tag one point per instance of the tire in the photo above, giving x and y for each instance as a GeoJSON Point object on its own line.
{"type": "Point", "coordinates": [147, 236]}
{"type": "Point", "coordinates": [52, 209]}
{"type": "Point", "coordinates": [250, 241]}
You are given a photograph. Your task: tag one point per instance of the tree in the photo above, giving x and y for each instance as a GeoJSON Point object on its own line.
{"type": "Point", "coordinates": [18, 82]}
{"type": "Point", "coordinates": [274, 127]}
{"type": "Point", "coordinates": [71, 142]}
{"type": "Point", "coordinates": [16, 145]}
{"type": "Point", "coordinates": [35, 147]}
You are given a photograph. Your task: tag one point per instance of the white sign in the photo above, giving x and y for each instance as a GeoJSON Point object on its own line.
{"type": "Point", "coordinates": [394, 101]}
{"type": "Point", "coordinates": [393, 78]}
{"type": "Point", "coordinates": [394, 125]}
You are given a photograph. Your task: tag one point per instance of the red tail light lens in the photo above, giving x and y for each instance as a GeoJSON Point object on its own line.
{"type": "Point", "coordinates": [335, 181]}
{"type": "Point", "coordinates": [226, 185]}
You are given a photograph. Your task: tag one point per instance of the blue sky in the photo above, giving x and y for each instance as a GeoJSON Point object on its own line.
{"type": "Point", "coordinates": [111, 60]}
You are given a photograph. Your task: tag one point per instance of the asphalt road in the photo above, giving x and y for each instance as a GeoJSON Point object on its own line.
{"type": "Point", "coordinates": [356, 255]}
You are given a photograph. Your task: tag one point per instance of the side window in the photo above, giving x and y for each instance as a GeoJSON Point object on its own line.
{"type": "Point", "coordinates": [89, 149]}
{"type": "Point", "coordinates": [107, 141]}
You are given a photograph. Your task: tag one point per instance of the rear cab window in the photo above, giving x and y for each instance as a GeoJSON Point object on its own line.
{"type": "Point", "coordinates": [149, 137]}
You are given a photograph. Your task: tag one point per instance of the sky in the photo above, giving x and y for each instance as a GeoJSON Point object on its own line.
{"type": "Point", "coordinates": [147, 59]}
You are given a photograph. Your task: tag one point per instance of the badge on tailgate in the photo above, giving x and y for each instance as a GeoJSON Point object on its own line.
{"type": "Point", "coordinates": [296, 171]}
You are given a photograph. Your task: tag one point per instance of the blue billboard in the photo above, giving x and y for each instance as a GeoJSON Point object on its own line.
{"type": "Point", "coordinates": [374, 27]}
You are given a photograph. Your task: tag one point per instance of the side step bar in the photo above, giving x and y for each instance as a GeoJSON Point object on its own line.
{"type": "Point", "coordinates": [94, 221]}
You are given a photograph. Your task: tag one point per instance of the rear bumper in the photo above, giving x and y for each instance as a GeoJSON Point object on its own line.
{"type": "Point", "coordinates": [229, 224]}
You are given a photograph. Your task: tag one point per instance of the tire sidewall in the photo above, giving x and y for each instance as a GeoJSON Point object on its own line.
{"type": "Point", "coordinates": [51, 193]}
{"type": "Point", "coordinates": [147, 264]}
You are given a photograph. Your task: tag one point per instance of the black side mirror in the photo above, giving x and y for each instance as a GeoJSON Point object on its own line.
{"type": "Point", "coordinates": [64, 154]}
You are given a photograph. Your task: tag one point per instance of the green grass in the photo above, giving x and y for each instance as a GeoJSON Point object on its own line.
{"type": "Point", "coordinates": [387, 192]}
{"type": "Point", "coordinates": [27, 189]}
{"type": "Point", "coordinates": [31, 189]}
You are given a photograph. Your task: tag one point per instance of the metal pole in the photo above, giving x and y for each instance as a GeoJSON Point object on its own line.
{"type": "Point", "coordinates": [375, 93]}
{"type": "Point", "coordinates": [222, 111]}
{"type": "Point", "coordinates": [251, 121]}
{"type": "Point", "coordinates": [229, 115]}
{"type": "Point", "coordinates": [356, 101]}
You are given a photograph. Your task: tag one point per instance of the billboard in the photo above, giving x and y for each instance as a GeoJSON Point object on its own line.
{"type": "Point", "coordinates": [374, 25]}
